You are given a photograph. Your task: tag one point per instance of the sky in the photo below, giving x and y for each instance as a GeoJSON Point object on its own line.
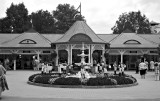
{"type": "Point", "coordinates": [101, 15]}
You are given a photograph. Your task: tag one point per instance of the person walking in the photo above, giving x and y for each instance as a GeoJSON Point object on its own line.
{"type": "Point", "coordinates": [3, 81]}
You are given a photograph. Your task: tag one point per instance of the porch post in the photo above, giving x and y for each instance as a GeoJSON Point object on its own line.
{"type": "Point", "coordinates": [57, 57]}
{"type": "Point", "coordinates": [121, 53]}
{"type": "Point", "coordinates": [89, 55]}
{"type": "Point", "coordinates": [92, 49]}
{"type": "Point", "coordinates": [14, 61]}
{"type": "Point", "coordinates": [38, 52]}
{"type": "Point", "coordinates": [103, 58]}
{"type": "Point", "coordinates": [68, 50]}
{"type": "Point", "coordinates": [14, 58]}
{"type": "Point", "coordinates": [71, 54]}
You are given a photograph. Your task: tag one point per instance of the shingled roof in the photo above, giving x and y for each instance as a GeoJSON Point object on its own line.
{"type": "Point", "coordinates": [80, 27]}
{"type": "Point", "coordinates": [131, 40]}
{"type": "Point", "coordinates": [28, 39]}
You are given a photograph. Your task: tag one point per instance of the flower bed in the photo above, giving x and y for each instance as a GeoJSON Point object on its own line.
{"type": "Point", "coordinates": [60, 79]}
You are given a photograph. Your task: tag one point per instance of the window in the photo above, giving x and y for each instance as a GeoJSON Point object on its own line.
{"type": "Point", "coordinates": [132, 42]}
{"type": "Point", "coordinates": [27, 41]}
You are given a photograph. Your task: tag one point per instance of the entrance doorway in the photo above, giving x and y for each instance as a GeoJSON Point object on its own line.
{"type": "Point", "coordinates": [24, 62]}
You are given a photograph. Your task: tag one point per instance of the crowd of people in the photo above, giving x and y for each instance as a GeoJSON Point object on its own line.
{"type": "Point", "coordinates": [96, 68]}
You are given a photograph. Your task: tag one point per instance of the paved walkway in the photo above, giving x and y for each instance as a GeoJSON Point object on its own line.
{"type": "Point", "coordinates": [147, 90]}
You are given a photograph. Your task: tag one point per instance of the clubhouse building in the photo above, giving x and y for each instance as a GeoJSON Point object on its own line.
{"type": "Point", "coordinates": [126, 47]}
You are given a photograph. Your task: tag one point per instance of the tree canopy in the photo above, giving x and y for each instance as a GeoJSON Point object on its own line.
{"type": "Point", "coordinates": [65, 16]}
{"type": "Point", "coordinates": [43, 21]}
{"type": "Point", "coordinates": [59, 21]}
{"type": "Point", "coordinates": [17, 18]}
{"type": "Point", "coordinates": [134, 21]}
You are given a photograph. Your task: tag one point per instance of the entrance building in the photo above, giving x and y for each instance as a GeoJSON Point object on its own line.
{"type": "Point", "coordinates": [126, 47]}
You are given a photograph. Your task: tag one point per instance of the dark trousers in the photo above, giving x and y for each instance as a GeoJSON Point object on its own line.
{"type": "Point", "coordinates": [137, 70]}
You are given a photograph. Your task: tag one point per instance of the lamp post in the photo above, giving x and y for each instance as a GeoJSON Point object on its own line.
{"type": "Point", "coordinates": [136, 27]}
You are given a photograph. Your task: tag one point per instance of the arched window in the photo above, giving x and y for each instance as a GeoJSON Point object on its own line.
{"type": "Point", "coordinates": [80, 37]}
{"type": "Point", "coordinates": [131, 42]}
{"type": "Point", "coordinates": [27, 41]}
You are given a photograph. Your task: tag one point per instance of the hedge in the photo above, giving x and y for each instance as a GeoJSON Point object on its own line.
{"type": "Point", "coordinates": [60, 79]}
{"type": "Point", "coordinates": [101, 81]}
{"type": "Point", "coordinates": [67, 81]}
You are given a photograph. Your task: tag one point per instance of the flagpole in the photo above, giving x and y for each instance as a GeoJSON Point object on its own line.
{"type": "Point", "coordinates": [80, 8]}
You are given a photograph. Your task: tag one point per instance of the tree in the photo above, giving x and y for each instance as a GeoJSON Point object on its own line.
{"type": "Point", "coordinates": [43, 22]}
{"type": "Point", "coordinates": [65, 16]}
{"type": "Point", "coordinates": [133, 21]}
{"type": "Point", "coordinates": [17, 18]}
{"type": "Point", "coordinates": [5, 26]}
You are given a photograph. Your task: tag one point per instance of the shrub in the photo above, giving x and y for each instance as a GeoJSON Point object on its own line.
{"type": "Point", "coordinates": [38, 74]}
{"type": "Point", "coordinates": [100, 81]}
{"type": "Point", "coordinates": [44, 79]}
{"type": "Point", "coordinates": [32, 77]}
{"type": "Point", "coordinates": [67, 81]}
{"type": "Point", "coordinates": [122, 80]}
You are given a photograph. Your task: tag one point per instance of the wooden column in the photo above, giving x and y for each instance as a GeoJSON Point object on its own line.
{"type": "Point", "coordinates": [121, 53]}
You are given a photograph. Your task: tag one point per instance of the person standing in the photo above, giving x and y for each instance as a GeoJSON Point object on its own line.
{"type": "Point", "coordinates": [156, 71]}
{"type": "Point", "coordinates": [3, 81]}
{"type": "Point", "coordinates": [6, 64]}
{"type": "Point", "coordinates": [152, 65]}
{"type": "Point", "coordinates": [142, 68]}
{"type": "Point", "coordinates": [137, 65]}
{"type": "Point", "coordinates": [121, 69]}
{"type": "Point", "coordinates": [115, 67]}
{"type": "Point", "coordinates": [95, 66]}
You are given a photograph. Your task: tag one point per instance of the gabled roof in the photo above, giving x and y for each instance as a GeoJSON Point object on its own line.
{"type": "Point", "coordinates": [122, 41]}
{"type": "Point", "coordinates": [34, 37]}
{"type": "Point", "coordinates": [77, 28]}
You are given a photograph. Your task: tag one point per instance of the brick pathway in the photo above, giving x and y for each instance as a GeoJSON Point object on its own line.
{"type": "Point", "coordinates": [147, 90]}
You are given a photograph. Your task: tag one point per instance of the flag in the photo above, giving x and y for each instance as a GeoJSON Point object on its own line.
{"type": "Point", "coordinates": [77, 10]}
{"type": "Point", "coordinates": [79, 7]}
